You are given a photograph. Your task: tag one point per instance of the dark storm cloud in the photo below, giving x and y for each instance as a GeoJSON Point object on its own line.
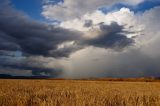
{"type": "Point", "coordinates": [50, 72]}
{"type": "Point", "coordinates": [36, 66]}
{"type": "Point", "coordinates": [111, 36]}
{"type": "Point", "coordinates": [88, 23]}
{"type": "Point", "coordinates": [66, 51]}
{"type": "Point", "coordinates": [18, 32]}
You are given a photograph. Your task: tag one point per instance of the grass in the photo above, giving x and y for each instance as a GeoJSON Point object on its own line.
{"type": "Point", "coordinates": [78, 93]}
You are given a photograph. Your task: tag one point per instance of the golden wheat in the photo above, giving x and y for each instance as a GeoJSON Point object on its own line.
{"type": "Point", "coordinates": [78, 93]}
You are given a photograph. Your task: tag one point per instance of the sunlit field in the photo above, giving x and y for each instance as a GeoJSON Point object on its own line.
{"type": "Point", "coordinates": [78, 93]}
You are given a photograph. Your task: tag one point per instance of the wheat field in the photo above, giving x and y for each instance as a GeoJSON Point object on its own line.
{"type": "Point", "coordinates": [78, 93]}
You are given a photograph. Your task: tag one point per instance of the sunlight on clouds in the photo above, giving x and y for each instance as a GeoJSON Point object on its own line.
{"type": "Point", "coordinates": [123, 17]}
{"type": "Point", "coordinates": [70, 9]}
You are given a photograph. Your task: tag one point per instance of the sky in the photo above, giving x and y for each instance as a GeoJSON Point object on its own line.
{"type": "Point", "coordinates": [75, 39]}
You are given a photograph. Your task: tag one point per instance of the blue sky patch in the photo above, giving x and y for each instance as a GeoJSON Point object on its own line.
{"type": "Point", "coordinates": [146, 5]}
{"type": "Point", "coordinates": [32, 8]}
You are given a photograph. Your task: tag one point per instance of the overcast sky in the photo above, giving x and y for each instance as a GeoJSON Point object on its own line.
{"type": "Point", "coordinates": [80, 39]}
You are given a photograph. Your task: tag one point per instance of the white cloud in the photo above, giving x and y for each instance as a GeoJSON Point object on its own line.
{"type": "Point", "coordinates": [123, 17]}
{"type": "Point", "coordinates": [151, 36]}
{"type": "Point", "coordinates": [70, 9]}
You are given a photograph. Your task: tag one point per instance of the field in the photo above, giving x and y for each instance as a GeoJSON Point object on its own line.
{"type": "Point", "coordinates": [15, 92]}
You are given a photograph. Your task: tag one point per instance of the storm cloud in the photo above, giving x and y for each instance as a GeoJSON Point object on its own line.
{"type": "Point", "coordinates": [110, 36]}
{"type": "Point", "coordinates": [22, 38]}
{"type": "Point", "coordinates": [93, 44]}
{"type": "Point", "coordinates": [18, 32]}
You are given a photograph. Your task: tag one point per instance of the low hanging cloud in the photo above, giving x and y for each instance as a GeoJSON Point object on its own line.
{"type": "Point", "coordinates": [37, 65]}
